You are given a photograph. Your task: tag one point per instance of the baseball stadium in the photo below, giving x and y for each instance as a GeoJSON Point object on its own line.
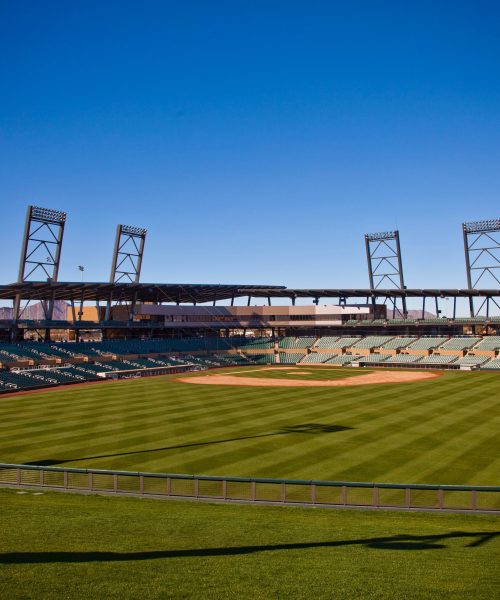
{"type": "Point", "coordinates": [180, 435]}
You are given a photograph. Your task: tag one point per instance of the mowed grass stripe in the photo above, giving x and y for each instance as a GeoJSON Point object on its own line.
{"type": "Point", "coordinates": [300, 448]}
{"type": "Point", "coordinates": [108, 447]}
{"type": "Point", "coordinates": [374, 430]}
{"type": "Point", "coordinates": [161, 413]}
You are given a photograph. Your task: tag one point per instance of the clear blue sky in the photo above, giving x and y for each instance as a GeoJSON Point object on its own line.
{"type": "Point", "coordinates": [256, 141]}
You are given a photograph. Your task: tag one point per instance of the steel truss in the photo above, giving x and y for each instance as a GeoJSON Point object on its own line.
{"type": "Point", "coordinates": [385, 267]}
{"type": "Point", "coordinates": [482, 258]}
{"type": "Point", "coordinates": [127, 255]}
{"type": "Point", "coordinates": [41, 251]}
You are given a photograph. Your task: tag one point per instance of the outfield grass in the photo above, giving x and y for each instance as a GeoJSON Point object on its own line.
{"type": "Point", "coordinates": [443, 430]}
{"type": "Point", "coordinates": [58, 545]}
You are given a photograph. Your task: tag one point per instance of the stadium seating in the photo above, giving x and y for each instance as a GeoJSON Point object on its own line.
{"type": "Point", "coordinates": [398, 342]}
{"type": "Point", "coordinates": [471, 361]}
{"type": "Point", "coordinates": [403, 359]}
{"type": "Point", "coordinates": [460, 343]}
{"type": "Point", "coordinates": [491, 342]}
{"type": "Point", "coordinates": [426, 343]}
{"type": "Point", "coordinates": [436, 359]}
{"type": "Point", "coordinates": [290, 343]}
{"type": "Point", "coordinates": [317, 358]}
{"type": "Point", "coordinates": [343, 359]}
{"type": "Point", "coordinates": [371, 341]}
{"type": "Point", "coordinates": [375, 357]}
{"type": "Point", "coordinates": [326, 342]}
{"type": "Point", "coordinates": [341, 342]}
{"type": "Point", "coordinates": [493, 364]}
{"type": "Point", "coordinates": [290, 358]}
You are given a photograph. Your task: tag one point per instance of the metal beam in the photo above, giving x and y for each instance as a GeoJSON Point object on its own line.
{"type": "Point", "coordinates": [482, 254]}
{"type": "Point", "coordinates": [127, 255]}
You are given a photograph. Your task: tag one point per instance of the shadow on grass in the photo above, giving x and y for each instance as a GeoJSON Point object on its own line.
{"type": "Point", "coordinates": [397, 542]}
{"type": "Point", "coordinates": [307, 428]}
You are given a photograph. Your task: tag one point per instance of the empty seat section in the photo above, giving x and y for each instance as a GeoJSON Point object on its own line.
{"type": "Point", "coordinates": [375, 357]}
{"type": "Point", "coordinates": [372, 341]}
{"type": "Point", "coordinates": [426, 343]}
{"type": "Point", "coordinates": [436, 359]}
{"type": "Point", "coordinates": [492, 364]}
{"type": "Point", "coordinates": [290, 343]}
{"type": "Point", "coordinates": [403, 359]}
{"type": "Point", "coordinates": [326, 342]}
{"type": "Point", "coordinates": [460, 343]}
{"type": "Point", "coordinates": [341, 342]}
{"type": "Point", "coordinates": [343, 359]}
{"type": "Point", "coordinates": [471, 360]}
{"type": "Point", "coordinates": [317, 358]}
{"type": "Point", "coordinates": [398, 342]}
{"type": "Point", "coordinates": [491, 342]}
{"type": "Point", "coordinates": [290, 358]}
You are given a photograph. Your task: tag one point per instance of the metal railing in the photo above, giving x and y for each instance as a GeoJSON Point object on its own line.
{"type": "Point", "coordinates": [255, 490]}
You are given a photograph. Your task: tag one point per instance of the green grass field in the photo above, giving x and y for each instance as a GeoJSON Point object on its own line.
{"type": "Point", "coordinates": [443, 430]}
{"type": "Point", "coordinates": [57, 545]}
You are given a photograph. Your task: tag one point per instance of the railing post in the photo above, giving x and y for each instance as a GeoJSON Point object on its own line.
{"type": "Point", "coordinates": [224, 489]}
{"type": "Point", "coordinates": [440, 496]}
{"type": "Point", "coordinates": [473, 499]}
{"type": "Point", "coordinates": [196, 485]}
{"type": "Point", "coordinates": [41, 477]}
{"type": "Point", "coordinates": [141, 485]}
{"type": "Point", "coordinates": [376, 497]}
{"type": "Point", "coordinates": [313, 493]}
{"type": "Point", "coordinates": [283, 492]}
{"type": "Point", "coordinates": [254, 491]}
{"type": "Point", "coordinates": [115, 482]}
{"type": "Point", "coordinates": [343, 495]}
{"type": "Point", "coordinates": [91, 480]}
{"type": "Point", "coordinates": [65, 479]}
{"type": "Point", "coordinates": [18, 476]}
{"type": "Point", "coordinates": [169, 486]}
{"type": "Point", "coordinates": [408, 497]}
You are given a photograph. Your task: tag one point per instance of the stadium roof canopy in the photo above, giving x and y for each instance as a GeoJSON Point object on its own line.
{"type": "Point", "coordinates": [139, 292]}
{"type": "Point", "coordinates": [200, 293]}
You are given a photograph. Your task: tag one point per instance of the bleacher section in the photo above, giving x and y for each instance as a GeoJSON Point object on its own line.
{"type": "Point", "coordinates": [460, 343]}
{"type": "Point", "coordinates": [436, 359]}
{"type": "Point", "coordinates": [29, 365]}
{"type": "Point", "coordinates": [342, 359]}
{"type": "Point", "coordinates": [317, 358]}
{"type": "Point", "coordinates": [338, 343]}
{"type": "Point", "coordinates": [372, 341]}
{"type": "Point", "coordinates": [471, 361]}
{"type": "Point", "coordinates": [290, 343]}
{"type": "Point", "coordinates": [399, 359]}
{"type": "Point", "coordinates": [375, 357]}
{"type": "Point", "coordinates": [290, 358]}
{"type": "Point", "coordinates": [398, 342]}
{"type": "Point", "coordinates": [492, 342]}
{"type": "Point", "coordinates": [426, 343]}
{"type": "Point", "coordinates": [494, 363]}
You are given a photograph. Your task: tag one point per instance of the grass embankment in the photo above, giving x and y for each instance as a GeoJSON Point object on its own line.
{"type": "Point", "coordinates": [58, 545]}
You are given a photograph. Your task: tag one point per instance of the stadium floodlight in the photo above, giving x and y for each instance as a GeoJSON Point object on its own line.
{"type": "Point", "coordinates": [482, 256]}
{"type": "Point", "coordinates": [41, 249]}
{"type": "Point", "coordinates": [482, 226]}
{"type": "Point", "coordinates": [378, 237]}
{"type": "Point", "coordinates": [127, 255]}
{"type": "Point", "coordinates": [385, 267]}
{"type": "Point", "coordinates": [42, 242]}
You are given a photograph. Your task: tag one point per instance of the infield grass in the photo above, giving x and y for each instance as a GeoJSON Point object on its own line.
{"type": "Point", "coordinates": [443, 430]}
{"type": "Point", "coordinates": [59, 545]}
